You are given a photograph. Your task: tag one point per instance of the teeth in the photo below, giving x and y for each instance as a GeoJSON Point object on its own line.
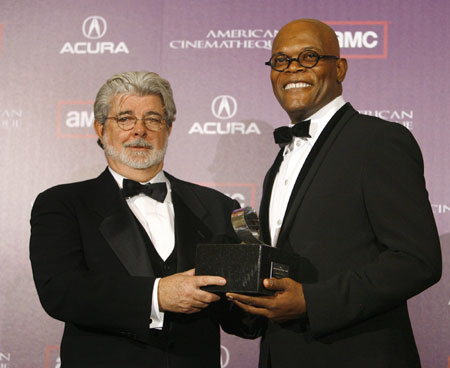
{"type": "Point", "coordinates": [297, 85]}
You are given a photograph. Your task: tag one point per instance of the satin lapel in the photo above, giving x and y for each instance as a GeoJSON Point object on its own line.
{"type": "Point", "coordinates": [119, 227]}
{"type": "Point", "coordinates": [312, 164]}
{"type": "Point", "coordinates": [190, 229]}
{"type": "Point", "coordinates": [265, 200]}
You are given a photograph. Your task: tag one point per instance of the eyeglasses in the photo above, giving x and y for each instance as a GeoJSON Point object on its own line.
{"type": "Point", "coordinates": [307, 59]}
{"type": "Point", "coordinates": [127, 122]}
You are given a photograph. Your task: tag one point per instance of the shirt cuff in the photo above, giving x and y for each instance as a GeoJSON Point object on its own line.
{"type": "Point", "coordinates": [157, 316]}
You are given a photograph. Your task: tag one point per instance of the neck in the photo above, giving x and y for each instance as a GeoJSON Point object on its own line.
{"type": "Point", "coordinates": [301, 115]}
{"type": "Point", "coordinates": [139, 175]}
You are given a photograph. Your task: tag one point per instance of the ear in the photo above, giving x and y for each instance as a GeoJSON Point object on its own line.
{"type": "Point", "coordinates": [169, 130]}
{"type": "Point", "coordinates": [341, 69]}
{"type": "Point", "coordinates": [99, 128]}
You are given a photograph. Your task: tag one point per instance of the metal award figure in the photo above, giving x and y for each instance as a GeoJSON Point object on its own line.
{"type": "Point", "coordinates": [246, 225]}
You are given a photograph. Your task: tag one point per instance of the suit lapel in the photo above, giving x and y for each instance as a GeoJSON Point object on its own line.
{"type": "Point", "coordinates": [312, 164]}
{"type": "Point", "coordinates": [265, 200]}
{"type": "Point", "coordinates": [119, 227]}
{"type": "Point", "coordinates": [189, 223]}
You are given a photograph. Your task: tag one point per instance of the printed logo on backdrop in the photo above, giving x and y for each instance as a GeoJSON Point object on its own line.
{"type": "Point", "coordinates": [1, 38]}
{"type": "Point", "coordinates": [229, 39]}
{"type": "Point", "coordinates": [224, 356]}
{"type": "Point", "coordinates": [75, 119]}
{"type": "Point", "coordinates": [358, 39]}
{"type": "Point", "coordinates": [224, 108]}
{"type": "Point", "coordinates": [5, 359]}
{"type": "Point", "coordinates": [404, 117]}
{"type": "Point", "coordinates": [362, 39]}
{"type": "Point", "coordinates": [93, 29]}
{"type": "Point", "coordinates": [52, 359]}
{"type": "Point", "coordinates": [244, 193]}
{"type": "Point", "coordinates": [10, 118]}
{"type": "Point", "coordinates": [440, 208]}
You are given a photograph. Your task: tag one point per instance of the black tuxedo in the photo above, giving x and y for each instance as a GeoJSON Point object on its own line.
{"type": "Point", "coordinates": [360, 218]}
{"type": "Point", "coordinates": [92, 270]}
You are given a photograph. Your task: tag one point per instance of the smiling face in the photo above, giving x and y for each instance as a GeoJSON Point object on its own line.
{"type": "Point", "coordinates": [303, 91]}
{"type": "Point", "coordinates": [138, 149]}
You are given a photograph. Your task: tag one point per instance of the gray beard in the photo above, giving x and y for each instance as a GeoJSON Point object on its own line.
{"type": "Point", "coordinates": [136, 160]}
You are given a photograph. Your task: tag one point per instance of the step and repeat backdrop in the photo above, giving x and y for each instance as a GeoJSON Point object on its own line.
{"type": "Point", "coordinates": [55, 54]}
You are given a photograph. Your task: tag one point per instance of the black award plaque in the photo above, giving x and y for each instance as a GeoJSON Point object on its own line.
{"type": "Point", "coordinates": [245, 265]}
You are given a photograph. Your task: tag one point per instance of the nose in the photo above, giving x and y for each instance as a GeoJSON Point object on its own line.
{"type": "Point", "coordinates": [139, 128]}
{"type": "Point", "coordinates": [294, 66]}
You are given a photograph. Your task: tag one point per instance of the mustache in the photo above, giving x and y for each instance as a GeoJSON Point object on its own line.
{"type": "Point", "coordinates": [138, 142]}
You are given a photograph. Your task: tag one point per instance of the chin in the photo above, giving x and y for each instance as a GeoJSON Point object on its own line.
{"type": "Point", "coordinates": [296, 109]}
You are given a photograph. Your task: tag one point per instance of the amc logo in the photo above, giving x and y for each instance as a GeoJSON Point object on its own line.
{"type": "Point", "coordinates": [75, 119]}
{"type": "Point", "coordinates": [362, 39]}
{"type": "Point", "coordinates": [244, 193]}
{"type": "Point", "coordinates": [52, 359]}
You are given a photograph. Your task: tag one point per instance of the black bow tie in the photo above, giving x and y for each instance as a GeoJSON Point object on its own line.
{"type": "Point", "coordinates": [283, 135]}
{"type": "Point", "coordinates": [157, 191]}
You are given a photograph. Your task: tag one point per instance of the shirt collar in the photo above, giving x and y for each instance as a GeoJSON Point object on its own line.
{"type": "Point", "coordinates": [318, 122]}
{"type": "Point", "coordinates": [158, 178]}
{"type": "Point", "coordinates": [320, 118]}
{"type": "Point", "coordinates": [327, 112]}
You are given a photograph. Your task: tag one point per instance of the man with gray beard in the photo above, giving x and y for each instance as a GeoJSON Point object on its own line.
{"type": "Point", "coordinates": [113, 256]}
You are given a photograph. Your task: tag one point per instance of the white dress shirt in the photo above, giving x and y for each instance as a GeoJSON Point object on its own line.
{"type": "Point", "coordinates": [158, 220]}
{"type": "Point", "coordinates": [294, 157]}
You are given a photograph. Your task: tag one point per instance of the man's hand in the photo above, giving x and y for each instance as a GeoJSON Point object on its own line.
{"type": "Point", "coordinates": [287, 303]}
{"type": "Point", "coordinates": [181, 292]}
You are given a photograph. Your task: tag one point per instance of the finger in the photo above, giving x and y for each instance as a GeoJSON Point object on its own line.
{"type": "Point", "coordinates": [251, 309]}
{"type": "Point", "coordinates": [206, 297]}
{"type": "Point", "coordinates": [210, 280]}
{"type": "Point", "coordinates": [261, 301]}
{"type": "Point", "coordinates": [241, 297]}
{"type": "Point", "coordinates": [275, 284]}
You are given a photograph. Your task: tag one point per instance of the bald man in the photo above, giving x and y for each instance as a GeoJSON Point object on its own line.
{"type": "Point", "coordinates": [347, 193]}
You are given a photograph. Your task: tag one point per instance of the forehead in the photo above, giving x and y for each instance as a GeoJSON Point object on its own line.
{"type": "Point", "coordinates": [137, 103]}
{"type": "Point", "coordinates": [297, 37]}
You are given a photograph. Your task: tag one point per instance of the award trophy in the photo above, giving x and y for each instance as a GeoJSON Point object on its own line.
{"type": "Point", "coordinates": [245, 265]}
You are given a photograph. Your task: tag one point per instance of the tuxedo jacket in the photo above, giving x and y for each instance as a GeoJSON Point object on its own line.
{"type": "Point", "coordinates": [92, 270]}
{"type": "Point", "coordinates": [360, 219]}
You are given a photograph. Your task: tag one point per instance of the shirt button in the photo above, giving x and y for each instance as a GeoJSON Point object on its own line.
{"type": "Point", "coordinates": [279, 222]}
{"type": "Point", "coordinates": [297, 144]}
{"type": "Point", "coordinates": [286, 182]}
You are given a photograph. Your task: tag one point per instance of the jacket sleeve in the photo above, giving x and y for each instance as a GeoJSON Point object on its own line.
{"type": "Point", "coordinates": [409, 259]}
{"type": "Point", "coordinates": [70, 289]}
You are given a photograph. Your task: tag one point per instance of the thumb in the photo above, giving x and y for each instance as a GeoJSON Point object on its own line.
{"type": "Point", "coordinates": [275, 284]}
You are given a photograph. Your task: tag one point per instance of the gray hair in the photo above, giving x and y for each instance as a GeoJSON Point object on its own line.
{"type": "Point", "coordinates": [140, 83]}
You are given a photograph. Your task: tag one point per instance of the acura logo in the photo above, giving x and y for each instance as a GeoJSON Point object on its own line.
{"type": "Point", "coordinates": [224, 107]}
{"type": "Point", "coordinates": [94, 27]}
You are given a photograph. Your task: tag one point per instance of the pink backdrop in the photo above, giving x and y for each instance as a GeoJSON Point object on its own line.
{"type": "Point", "coordinates": [55, 54]}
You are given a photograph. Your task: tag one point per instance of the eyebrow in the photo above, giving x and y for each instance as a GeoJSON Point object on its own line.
{"type": "Point", "coordinates": [129, 112]}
